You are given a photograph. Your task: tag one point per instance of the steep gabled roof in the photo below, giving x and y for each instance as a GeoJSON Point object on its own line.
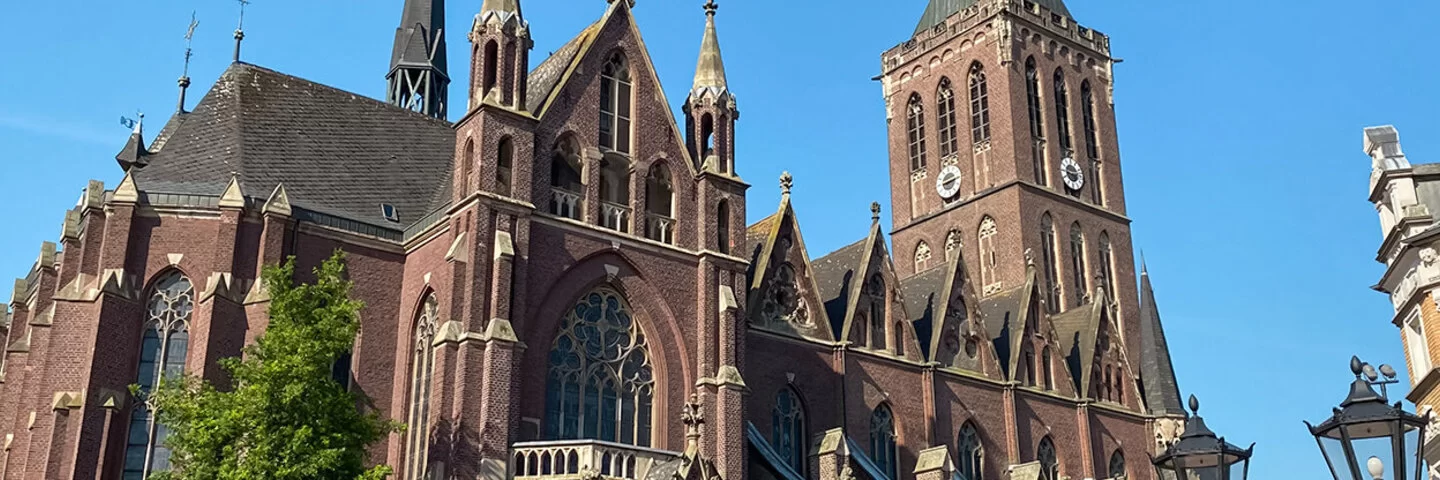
{"type": "Point", "coordinates": [545, 77]}
{"type": "Point", "coordinates": [1157, 373]}
{"type": "Point", "coordinates": [1078, 329]}
{"type": "Point", "coordinates": [835, 273]}
{"type": "Point", "coordinates": [1003, 313]}
{"type": "Point", "coordinates": [764, 236]}
{"type": "Point", "coordinates": [336, 152]}
{"type": "Point", "coordinates": [926, 299]}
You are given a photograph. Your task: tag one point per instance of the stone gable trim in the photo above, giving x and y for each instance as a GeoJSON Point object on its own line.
{"type": "Point", "coordinates": [934, 458]}
{"type": "Point", "coordinates": [22, 345]}
{"type": "Point", "coordinates": [45, 318]}
{"type": "Point", "coordinates": [68, 400]}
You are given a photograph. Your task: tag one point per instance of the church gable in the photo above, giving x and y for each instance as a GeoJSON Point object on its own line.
{"type": "Point", "coordinates": [951, 315]}
{"type": "Point", "coordinates": [1036, 352]}
{"type": "Point", "coordinates": [784, 296]}
{"type": "Point", "coordinates": [613, 48]}
{"type": "Point", "coordinates": [875, 316]}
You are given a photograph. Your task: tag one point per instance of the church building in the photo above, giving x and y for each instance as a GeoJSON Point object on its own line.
{"type": "Point", "coordinates": [564, 284]}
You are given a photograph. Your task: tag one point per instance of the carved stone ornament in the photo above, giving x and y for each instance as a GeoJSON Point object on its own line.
{"type": "Point", "coordinates": [784, 300]}
{"type": "Point", "coordinates": [1429, 256]}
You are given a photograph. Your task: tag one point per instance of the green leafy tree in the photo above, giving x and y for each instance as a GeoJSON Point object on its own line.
{"type": "Point", "coordinates": [285, 418]}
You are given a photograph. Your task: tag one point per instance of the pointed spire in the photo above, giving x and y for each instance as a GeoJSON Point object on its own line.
{"type": "Point", "coordinates": [135, 151]}
{"type": "Point", "coordinates": [1162, 391]}
{"type": "Point", "coordinates": [504, 9]}
{"type": "Point", "coordinates": [710, 72]}
{"type": "Point", "coordinates": [419, 68]}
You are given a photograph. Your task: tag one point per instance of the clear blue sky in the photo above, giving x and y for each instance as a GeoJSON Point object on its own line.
{"type": "Point", "coordinates": [1240, 126]}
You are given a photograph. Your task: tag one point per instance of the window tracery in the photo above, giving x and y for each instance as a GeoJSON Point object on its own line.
{"type": "Point", "coordinates": [601, 382]}
{"type": "Point", "coordinates": [163, 348]}
{"type": "Point", "coordinates": [788, 434]}
{"type": "Point", "coordinates": [785, 300]}
{"type": "Point", "coordinates": [972, 453]}
{"type": "Point", "coordinates": [422, 374]}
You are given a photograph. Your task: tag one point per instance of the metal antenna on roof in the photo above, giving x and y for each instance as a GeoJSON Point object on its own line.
{"type": "Point", "coordinates": [240, 29]}
{"type": "Point", "coordinates": [189, 52]}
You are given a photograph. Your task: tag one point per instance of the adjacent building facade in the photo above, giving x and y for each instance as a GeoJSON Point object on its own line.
{"type": "Point", "coordinates": [1407, 197]}
{"type": "Point", "coordinates": [564, 284]}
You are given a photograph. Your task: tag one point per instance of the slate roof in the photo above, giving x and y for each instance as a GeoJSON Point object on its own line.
{"type": "Point", "coordinates": [924, 296]}
{"type": "Point", "coordinates": [1077, 329]}
{"type": "Point", "coordinates": [336, 152]}
{"type": "Point", "coordinates": [1001, 313]}
{"type": "Point", "coordinates": [421, 24]}
{"type": "Point", "coordinates": [1162, 391]}
{"type": "Point", "coordinates": [939, 10]}
{"type": "Point", "coordinates": [834, 274]}
{"type": "Point", "coordinates": [546, 76]}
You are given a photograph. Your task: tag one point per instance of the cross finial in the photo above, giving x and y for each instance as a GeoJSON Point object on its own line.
{"type": "Point", "coordinates": [875, 211]}
{"type": "Point", "coordinates": [240, 28]}
{"type": "Point", "coordinates": [711, 7]}
{"type": "Point", "coordinates": [189, 51]}
{"type": "Point", "coordinates": [786, 181]}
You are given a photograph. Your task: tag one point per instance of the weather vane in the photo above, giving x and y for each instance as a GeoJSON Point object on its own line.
{"type": "Point", "coordinates": [189, 42]}
{"type": "Point", "coordinates": [240, 29]}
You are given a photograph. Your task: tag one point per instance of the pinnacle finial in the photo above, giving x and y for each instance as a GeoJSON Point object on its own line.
{"type": "Point", "coordinates": [711, 7]}
{"type": "Point", "coordinates": [875, 211]}
{"type": "Point", "coordinates": [786, 181]}
{"type": "Point", "coordinates": [1194, 404]}
{"type": "Point", "coordinates": [240, 28]}
{"type": "Point", "coordinates": [710, 70]}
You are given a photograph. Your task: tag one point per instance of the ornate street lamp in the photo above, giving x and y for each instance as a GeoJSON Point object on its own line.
{"type": "Point", "coordinates": [1200, 455]}
{"type": "Point", "coordinates": [1366, 438]}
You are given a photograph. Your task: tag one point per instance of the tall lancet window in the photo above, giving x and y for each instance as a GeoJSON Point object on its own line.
{"type": "Point", "coordinates": [616, 99]}
{"type": "Point", "coordinates": [1047, 259]}
{"type": "Point", "coordinates": [1077, 263]}
{"type": "Point", "coordinates": [787, 430]}
{"type": "Point", "coordinates": [979, 105]}
{"type": "Point", "coordinates": [988, 275]}
{"type": "Point", "coordinates": [972, 453]}
{"type": "Point", "coordinates": [1117, 465]}
{"type": "Point", "coordinates": [915, 123]}
{"type": "Point", "coordinates": [422, 373]}
{"type": "Point", "coordinates": [945, 100]}
{"type": "Point", "coordinates": [1037, 122]}
{"type": "Point", "coordinates": [1092, 142]}
{"type": "Point", "coordinates": [1107, 265]}
{"type": "Point", "coordinates": [882, 440]}
{"type": "Point", "coordinates": [163, 348]}
{"type": "Point", "coordinates": [1062, 114]}
{"type": "Point", "coordinates": [874, 294]}
{"type": "Point", "coordinates": [601, 383]}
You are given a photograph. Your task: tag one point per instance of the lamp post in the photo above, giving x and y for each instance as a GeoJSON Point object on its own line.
{"type": "Point", "coordinates": [1368, 439]}
{"type": "Point", "coordinates": [1201, 455]}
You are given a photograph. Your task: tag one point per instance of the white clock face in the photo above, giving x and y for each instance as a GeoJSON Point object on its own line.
{"type": "Point", "coordinates": [948, 185]}
{"type": "Point", "coordinates": [1071, 173]}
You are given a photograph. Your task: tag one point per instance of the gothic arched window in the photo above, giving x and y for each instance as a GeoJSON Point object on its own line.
{"type": "Point", "coordinates": [1049, 465]}
{"type": "Point", "coordinates": [565, 180]}
{"type": "Point", "coordinates": [659, 205]}
{"type": "Point", "coordinates": [601, 384]}
{"type": "Point", "coordinates": [953, 242]}
{"type": "Point", "coordinates": [163, 349]}
{"type": "Point", "coordinates": [1062, 113]}
{"type": "Point", "coordinates": [422, 374]}
{"type": "Point", "coordinates": [1092, 142]}
{"type": "Point", "coordinates": [874, 293]}
{"type": "Point", "coordinates": [972, 453]}
{"type": "Point", "coordinates": [915, 122]}
{"type": "Point", "coordinates": [1047, 260]}
{"type": "Point", "coordinates": [467, 165]}
{"type": "Point", "coordinates": [722, 227]}
{"type": "Point", "coordinates": [1107, 268]}
{"type": "Point", "coordinates": [945, 100]}
{"type": "Point", "coordinates": [882, 440]}
{"type": "Point", "coordinates": [1037, 122]}
{"type": "Point", "coordinates": [988, 275]}
{"type": "Point", "coordinates": [504, 165]}
{"type": "Point", "coordinates": [1047, 369]}
{"type": "Point", "coordinates": [615, 193]}
{"type": "Point", "coordinates": [922, 256]}
{"type": "Point", "coordinates": [1117, 465]}
{"type": "Point", "coordinates": [979, 105]}
{"type": "Point", "coordinates": [787, 430]}
{"type": "Point", "coordinates": [492, 70]}
{"type": "Point", "coordinates": [615, 104]}
{"type": "Point", "coordinates": [1077, 262]}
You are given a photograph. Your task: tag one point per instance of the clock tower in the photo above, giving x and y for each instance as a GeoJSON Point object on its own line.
{"type": "Point", "coordinates": [1003, 152]}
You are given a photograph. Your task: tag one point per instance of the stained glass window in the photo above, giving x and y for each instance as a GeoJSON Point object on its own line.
{"type": "Point", "coordinates": [422, 372]}
{"type": "Point", "coordinates": [972, 453]}
{"type": "Point", "coordinates": [787, 431]}
{"type": "Point", "coordinates": [882, 440]}
{"type": "Point", "coordinates": [1049, 465]}
{"type": "Point", "coordinates": [601, 384]}
{"type": "Point", "coordinates": [163, 349]}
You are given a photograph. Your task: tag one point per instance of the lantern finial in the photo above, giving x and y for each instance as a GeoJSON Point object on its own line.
{"type": "Point", "coordinates": [1356, 366]}
{"type": "Point", "coordinates": [1194, 405]}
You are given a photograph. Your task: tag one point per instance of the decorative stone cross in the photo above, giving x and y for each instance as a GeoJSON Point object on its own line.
{"type": "Point", "coordinates": [786, 181]}
{"type": "Point", "coordinates": [693, 418]}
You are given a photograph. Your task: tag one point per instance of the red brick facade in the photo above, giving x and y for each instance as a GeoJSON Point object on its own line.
{"type": "Point", "coordinates": [506, 266]}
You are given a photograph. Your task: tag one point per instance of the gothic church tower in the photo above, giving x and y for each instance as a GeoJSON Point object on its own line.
{"type": "Point", "coordinates": [1003, 148]}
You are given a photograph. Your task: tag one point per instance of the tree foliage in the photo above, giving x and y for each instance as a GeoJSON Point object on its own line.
{"type": "Point", "coordinates": [285, 418]}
